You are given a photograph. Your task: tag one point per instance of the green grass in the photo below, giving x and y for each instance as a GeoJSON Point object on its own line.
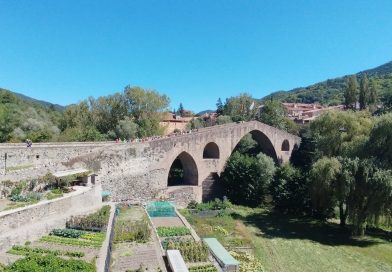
{"type": "Point", "coordinates": [285, 243]}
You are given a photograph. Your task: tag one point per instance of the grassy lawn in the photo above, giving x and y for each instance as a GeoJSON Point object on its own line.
{"type": "Point", "coordinates": [283, 243]}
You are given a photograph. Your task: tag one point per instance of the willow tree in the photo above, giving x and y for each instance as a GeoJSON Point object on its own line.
{"type": "Point", "coordinates": [323, 176]}
{"type": "Point", "coordinates": [371, 196]}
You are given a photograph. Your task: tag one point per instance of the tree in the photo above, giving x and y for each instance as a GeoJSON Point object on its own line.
{"type": "Point", "coordinates": [273, 113]}
{"type": "Point", "coordinates": [126, 129]}
{"type": "Point", "coordinates": [180, 110]}
{"type": "Point", "coordinates": [247, 145]}
{"type": "Point", "coordinates": [350, 94]}
{"type": "Point", "coordinates": [6, 126]}
{"type": "Point", "coordinates": [373, 95]}
{"type": "Point", "coordinates": [246, 178]}
{"type": "Point", "coordinates": [290, 190]}
{"type": "Point", "coordinates": [341, 133]}
{"type": "Point", "coordinates": [364, 92]}
{"type": "Point", "coordinates": [343, 185]}
{"type": "Point", "coordinates": [223, 119]}
{"type": "Point", "coordinates": [145, 103]}
{"type": "Point", "coordinates": [323, 176]}
{"type": "Point", "coordinates": [219, 107]}
{"type": "Point", "coordinates": [241, 108]}
{"type": "Point", "coordinates": [195, 123]}
{"type": "Point", "coordinates": [379, 144]}
{"type": "Point", "coordinates": [371, 196]}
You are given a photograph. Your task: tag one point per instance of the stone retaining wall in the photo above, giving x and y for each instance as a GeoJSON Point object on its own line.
{"type": "Point", "coordinates": [29, 223]}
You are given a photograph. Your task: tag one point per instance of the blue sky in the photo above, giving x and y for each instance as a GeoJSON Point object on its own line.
{"type": "Point", "coordinates": [193, 51]}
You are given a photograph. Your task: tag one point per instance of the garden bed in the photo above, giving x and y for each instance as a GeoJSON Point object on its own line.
{"type": "Point", "coordinates": [65, 249]}
{"type": "Point", "coordinates": [134, 245]}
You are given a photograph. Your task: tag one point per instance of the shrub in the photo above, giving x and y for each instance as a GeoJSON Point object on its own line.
{"type": "Point", "coordinates": [29, 197]}
{"type": "Point", "coordinates": [69, 233]}
{"type": "Point", "coordinates": [95, 222]}
{"type": "Point", "coordinates": [173, 231]}
{"type": "Point", "coordinates": [216, 204]}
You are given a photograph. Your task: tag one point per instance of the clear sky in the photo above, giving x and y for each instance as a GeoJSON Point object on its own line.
{"type": "Point", "coordinates": [193, 51]}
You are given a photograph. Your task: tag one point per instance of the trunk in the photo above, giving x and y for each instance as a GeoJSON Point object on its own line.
{"type": "Point", "coordinates": [342, 215]}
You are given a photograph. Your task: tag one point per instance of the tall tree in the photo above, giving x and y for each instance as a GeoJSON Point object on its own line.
{"type": "Point", "coordinates": [180, 110]}
{"type": "Point", "coordinates": [323, 176]}
{"type": "Point", "coordinates": [343, 185]}
{"type": "Point", "coordinates": [219, 107]}
{"type": "Point", "coordinates": [255, 174]}
{"type": "Point", "coordinates": [371, 196]}
{"type": "Point", "coordinates": [364, 92]}
{"type": "Point", "coordinates": [341, 133]}
{"type": "Point", "coordinates": [273, 113]}
{"type": "Point", "coordinates": [380, 141]}
{"type": "Point", "coordinates": [145, 103]}
{"type": "Point", "coordinates": [373, 95]}
{"type": "Point", "coordinates": [241, 108]}
{"type": "Point", "coordinates": [350, 94]}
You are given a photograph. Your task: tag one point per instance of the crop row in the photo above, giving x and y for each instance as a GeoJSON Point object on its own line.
{"type": "Point", "coordinates": [71, 241]}
{"type": "Point", "coordinates": [173, 231]}
{"type": "Point", "coordinates": [25, 250]}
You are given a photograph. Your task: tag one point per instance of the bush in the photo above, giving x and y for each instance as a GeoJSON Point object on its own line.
{"type": "Point", "coordinates": [290, 190]}
{"type": "Point", "coordinates": [68, 233]}
{"type": "Point", "coordinates": [173, 231]}
{"type": "Point", "coordinates": [29, 197]}
{"type": "Point", "coordinates": [216, 204]}
{"type": "Point", "coordinates": [247, 178]}
{"type": "Point", "coordinates": [97, 221]}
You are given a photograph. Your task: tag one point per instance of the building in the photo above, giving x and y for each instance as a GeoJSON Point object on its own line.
{"type": "Point", "coordinates": [172, 122]}
{"type": "Point", "coordinates": [304, 113]}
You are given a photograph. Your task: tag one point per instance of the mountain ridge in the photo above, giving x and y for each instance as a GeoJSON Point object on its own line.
{"type": "Point", "coordinates": [331, 91]}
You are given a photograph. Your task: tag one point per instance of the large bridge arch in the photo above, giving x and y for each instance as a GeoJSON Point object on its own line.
{"type": "Point", "coordinates": [190, 173]}
{"type": "Point", "coordinates": [264, 142]}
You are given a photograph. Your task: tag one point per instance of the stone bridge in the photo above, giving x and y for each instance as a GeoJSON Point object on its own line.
{"type": "Point", "coordinates": [139, 172]}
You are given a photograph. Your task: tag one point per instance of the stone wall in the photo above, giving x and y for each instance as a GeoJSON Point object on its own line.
{"type": "Point", "coordinates": [139, 172]}
{"type": "Point", "coordinates": [29, 223]}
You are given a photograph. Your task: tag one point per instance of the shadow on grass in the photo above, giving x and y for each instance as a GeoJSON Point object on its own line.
{"type": "Point", "coordinates": [277, 225]}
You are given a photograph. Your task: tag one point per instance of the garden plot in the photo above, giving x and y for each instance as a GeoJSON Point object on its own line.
{"type": "Point", "coordinates": [134, 245]}
{"type": "Point", "coordinates": [173, 234]}
{"type": "Point", "coordinates": [72, 249]}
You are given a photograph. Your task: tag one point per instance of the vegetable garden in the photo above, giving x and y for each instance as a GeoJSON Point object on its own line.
{"type": "Point", "coordinates": [74, 248]}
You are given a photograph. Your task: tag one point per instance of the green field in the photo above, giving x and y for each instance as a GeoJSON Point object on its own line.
{"type": "Point", "coordinates": [285, 244]}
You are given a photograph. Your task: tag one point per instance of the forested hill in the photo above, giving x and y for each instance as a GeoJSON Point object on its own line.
{"type": "Point", "coordinates": [24, 117]}
{"type": "Point", "coordinates": [330, 92]}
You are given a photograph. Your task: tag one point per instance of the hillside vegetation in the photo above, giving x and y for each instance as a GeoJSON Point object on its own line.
{"type": "Point", "coordinates": [21, 119]}
{"type": "Point", "coordinates": [331, 91]}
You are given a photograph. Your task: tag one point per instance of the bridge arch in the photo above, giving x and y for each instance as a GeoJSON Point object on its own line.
{"type": "Point", "coordinates": [183, 171]}
{"type": "Point", "coordinates": [264, 142]}
{"type": "Point", "coordinates": [211, 151]}
{"type": "Point", "coordinates": [285, 145]}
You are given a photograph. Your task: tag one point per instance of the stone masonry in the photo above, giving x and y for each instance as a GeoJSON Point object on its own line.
{"type": "Point", "coordinates": [138, 172]}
